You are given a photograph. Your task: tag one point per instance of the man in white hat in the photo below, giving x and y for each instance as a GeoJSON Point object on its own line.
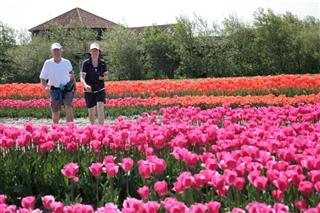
{"type": "Point", "coordinates": [93, 74]}
{"type": "Point", "coordinates": [57, 78]}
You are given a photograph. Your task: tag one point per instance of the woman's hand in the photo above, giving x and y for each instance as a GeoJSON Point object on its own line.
{"type": "Point", "coordinates": [87, 88]}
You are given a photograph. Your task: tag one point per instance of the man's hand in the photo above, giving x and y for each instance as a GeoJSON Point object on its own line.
{"type": "Point", "coordinates": [47, 88]}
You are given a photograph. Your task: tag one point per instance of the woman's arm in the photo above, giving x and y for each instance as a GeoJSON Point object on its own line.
{"type": "Point", "coordinates": [86, 87]}
{"type": "Point", "coordinates": [83, 73]}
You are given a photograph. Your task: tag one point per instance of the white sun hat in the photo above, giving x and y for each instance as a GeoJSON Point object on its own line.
{"type": "Point", "coordinates": [56, 46]}
{"type": "Point", "coordinates": [94, 46]}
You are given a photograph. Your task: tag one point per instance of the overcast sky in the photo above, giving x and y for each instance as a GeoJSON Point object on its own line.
{"type": "Point", "coordinates": [25, 14]}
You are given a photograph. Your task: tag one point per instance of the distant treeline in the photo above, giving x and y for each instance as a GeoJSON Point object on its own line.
{"type": "Point", "coordinates": [192, 48]}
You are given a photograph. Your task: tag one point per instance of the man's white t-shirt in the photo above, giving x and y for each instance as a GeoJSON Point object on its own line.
{"type": "Point", "coordinates": [57, 73]}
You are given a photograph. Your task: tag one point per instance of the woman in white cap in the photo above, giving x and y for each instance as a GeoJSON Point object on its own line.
{"type": "Point", "coordinates": [92, 76]}
{"type": "Point", "coordinates": [58, 79]}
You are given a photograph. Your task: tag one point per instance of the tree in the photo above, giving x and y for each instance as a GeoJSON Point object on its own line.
{"type": "Point", "coordinates": [196, 45]}
{"type": "Point", "coordinates": [7, 42]}
{"type": "Point", "coordinates": [124, 54]}
{"type": "Point", "coordinates": [160, 55]}
{"type": "Point", "coordinates": [30, 55]}
{"type": "Point", "coordinates": [240, 54]}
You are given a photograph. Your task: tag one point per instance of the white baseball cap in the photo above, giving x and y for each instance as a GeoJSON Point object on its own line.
{"type": "Point", "coordinates": [94, 46]}
{"type": "Point", "coordinates": [56, 46]}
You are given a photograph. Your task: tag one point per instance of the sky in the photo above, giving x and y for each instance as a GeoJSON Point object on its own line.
{"type": "Point", "coordinates": [25, 14]}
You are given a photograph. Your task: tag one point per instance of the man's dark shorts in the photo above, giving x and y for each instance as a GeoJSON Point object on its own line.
{"type": "Point", "coordinates": [66, 101]}
{"type": "Point", "coordinates": [92, 98]}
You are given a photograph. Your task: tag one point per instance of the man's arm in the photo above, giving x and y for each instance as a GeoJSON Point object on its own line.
{"type": "Point", "coordinates": [45, 84]}
{"type": "Point", "coordinates": [73, 78]}
{"type": "Point", "coordinates": [44, 76]}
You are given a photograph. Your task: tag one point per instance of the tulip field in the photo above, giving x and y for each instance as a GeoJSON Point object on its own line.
{"type": "Point", "coordinates": [249, 144]}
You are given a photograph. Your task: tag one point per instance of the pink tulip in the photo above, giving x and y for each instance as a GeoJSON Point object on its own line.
{"type": "Point", "coordinates": [47, 201]}
{"type": "Point", "coordinates": [133, 204]}
{"type": "Point", "coordinates": [277, 194]}
{"type": "Point", "coordinates": [230, 176]}
{"type": "Point", "coordinates": [317, 186]}
{"type": "Point", "coordinates": [191, 159]}
{"type": "Point", "coordinates": [172, 205]}
{"type": "Point", "coordinates": [3, 199]}
{"type": "Point", "coordinates": [239, 183]}
{"type": "Point", "coordinates": [96, 169]}
{"type": "Point", "coordinates": [8, 209]}
{"type": "Point", "coordinates": [70, 171]}
{"type": "Point", "coordinates": [314, 176]}
{"type": "Point", "coordinates": [213, 207]}
{"type": "Point", "coordinates": [28, 202]}
{"type": "Point", "coordinates": [151, 207]}
{"type": "Point", "coordinates": [301, 204]}
{"type": "Point", "coordinates": [238, 210]}
{"type": "Point", "coordinates": [111, 169]}
{"type": "Point", "coordinates": [178, 187]}
{"type": "Point", "coordinates": [108, 159]}
{"type": "Point", "coordinates": [200, 180]}
{"type": "Point", "coordinates": [144, 192]}
{"type": "Point", "coordinates": [108, 208]}
{"type": "Point", "coordinates": [260, 183]}
{"type": "Point", "coordinates": [279, 207]}
{"type": "Point", "coordinates": [57, 207]}
{"type": "Point", "coordinates": [23, 210]}
{"type": "Point", "coordinates": [305, 187]}
{"type": "Point", "coordinates": [145, 169]}
{"type": "Point", "coordinates": [159, 166]}
{"type": "Point", "coordinates": [161, 187]}
{"type": "Point", "coordinates": [198, 208]}
{"type": "Point", "coordinates": [281, 183]}
{"type": "Point", "coordinates": [127, 164]}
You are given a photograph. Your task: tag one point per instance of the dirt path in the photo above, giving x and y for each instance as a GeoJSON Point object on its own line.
{"type": "Point", "coordinates": [19, 122]}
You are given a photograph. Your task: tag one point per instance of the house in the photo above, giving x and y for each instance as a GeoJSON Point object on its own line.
{"type": "Point", "coordinates": [87, 19]}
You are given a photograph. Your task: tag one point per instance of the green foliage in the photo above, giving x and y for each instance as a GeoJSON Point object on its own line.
{"type": "Point", "coordinates": [78, 112]}
{"type": "Point", "coordinates": [7, 41]}
{"type": "Point", "coordinates": [28, 60]}
{"type": "Point", "coordinates": [124, 54]}
{"type": "Point", "coordinates": [29, 57]}
{"type": "Point", "coordinates": [161, 59]}
{"type": "Point", "coordinates": [193, 48]}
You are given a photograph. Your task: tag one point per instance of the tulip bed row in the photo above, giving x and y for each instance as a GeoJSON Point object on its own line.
{"type": "Point", "coordinates": [264, 159]}
{"type": "Point", "coordinates": [288, 85]}
{"type": "Point", "coordinates": [132, 205]}
{"type": "Point", "coordinates": [131, 106]}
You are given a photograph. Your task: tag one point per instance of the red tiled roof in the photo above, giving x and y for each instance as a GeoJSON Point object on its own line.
{"type": "Point", "coordinates": [84, 17]}
{"type": "Point", "coordinates": [164, 27]}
